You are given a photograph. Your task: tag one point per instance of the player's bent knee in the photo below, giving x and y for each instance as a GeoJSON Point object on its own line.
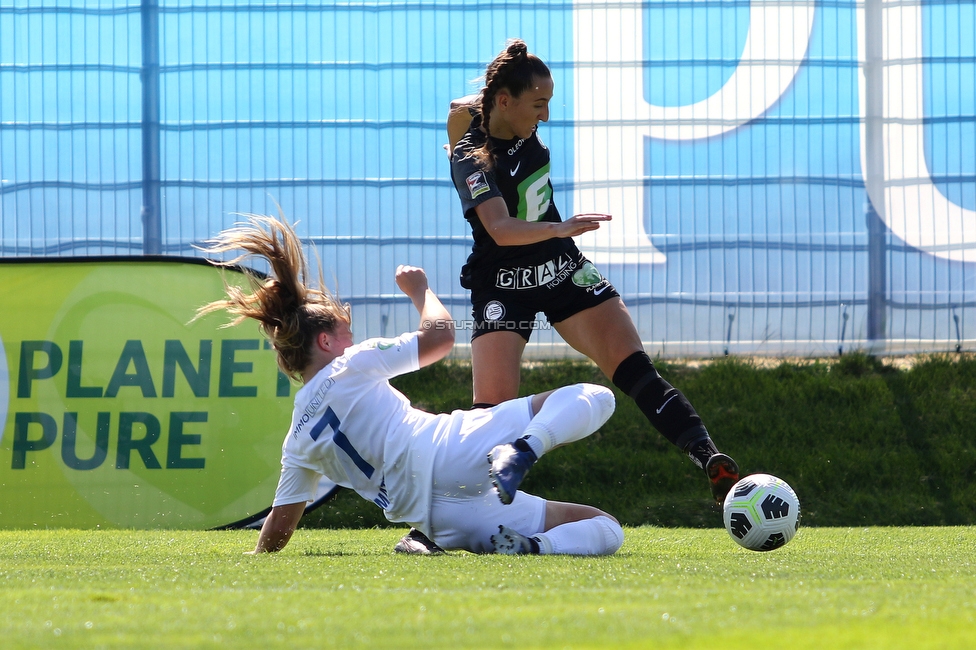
{"type": "Point", "coordinates": [613, 534]}
{"type": "Point", "coordinates": [602, 398]}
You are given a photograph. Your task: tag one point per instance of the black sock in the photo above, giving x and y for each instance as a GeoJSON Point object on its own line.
{"type": "Point", "coordinates": [665, 407]}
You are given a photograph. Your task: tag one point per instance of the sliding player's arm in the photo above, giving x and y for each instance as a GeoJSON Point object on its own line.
{"type": "Point", "coordinates": [278, 528]}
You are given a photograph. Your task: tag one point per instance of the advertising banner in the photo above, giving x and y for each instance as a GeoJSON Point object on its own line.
{"type": "Point", "coordinates": [117, 411]}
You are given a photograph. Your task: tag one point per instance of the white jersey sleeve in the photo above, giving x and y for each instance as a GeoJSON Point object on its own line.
{"type": "Point", "coordinates": [386, 358]}
{"type": "Point", "coordinates": [296, 484]}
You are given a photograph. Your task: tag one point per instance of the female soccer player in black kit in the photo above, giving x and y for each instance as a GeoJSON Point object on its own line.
{"type": "Point", "coordinates": [524, 261]}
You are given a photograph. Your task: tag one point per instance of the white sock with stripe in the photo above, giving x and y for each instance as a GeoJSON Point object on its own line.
{"type": "Point", "coordinates": [571, 413]}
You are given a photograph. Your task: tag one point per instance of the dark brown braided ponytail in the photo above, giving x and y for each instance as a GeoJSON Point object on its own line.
{"type": "Point", "coordinates": [514, 70]}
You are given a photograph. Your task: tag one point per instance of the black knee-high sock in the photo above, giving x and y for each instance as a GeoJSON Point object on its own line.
{"type": "Point", "coordinates": [667, 409]}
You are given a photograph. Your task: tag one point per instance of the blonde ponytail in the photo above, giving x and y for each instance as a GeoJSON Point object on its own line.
{"type": "Point", "coordinates": [289, 312]}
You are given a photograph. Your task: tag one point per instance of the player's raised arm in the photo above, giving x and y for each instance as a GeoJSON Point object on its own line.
{"type": "Point", "coordinates": [436, 331]}
{"type": "Point", "coordinates": [459, 118]}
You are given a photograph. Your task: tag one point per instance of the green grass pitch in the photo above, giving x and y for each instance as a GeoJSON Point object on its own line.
{"type": "Point", "coordinates": [666, 588]}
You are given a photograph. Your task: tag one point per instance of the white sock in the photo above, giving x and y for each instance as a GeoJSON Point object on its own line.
{"type": "Point", "coordinates": [571, 413]}
{"type": "Point", "coordinates": [597, 536]}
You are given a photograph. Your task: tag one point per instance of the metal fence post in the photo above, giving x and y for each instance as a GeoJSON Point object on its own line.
{"type": "Point", "coordinates": [152, 228]}
{"type": "Point", "coordinates": [874, 170]}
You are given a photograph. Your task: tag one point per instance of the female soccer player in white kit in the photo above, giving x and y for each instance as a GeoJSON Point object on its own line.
{"type": "Point", "coordinates": [350, 425]}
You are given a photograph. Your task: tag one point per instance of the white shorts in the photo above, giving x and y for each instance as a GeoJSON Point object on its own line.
{"type": "Point", "coordinates": [465, 509]}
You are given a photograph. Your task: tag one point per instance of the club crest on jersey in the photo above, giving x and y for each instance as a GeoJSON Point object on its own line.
{"type": "Point", "coordinates": [477, 184]}
{"type": "Point", "coordinates": [379, 344]}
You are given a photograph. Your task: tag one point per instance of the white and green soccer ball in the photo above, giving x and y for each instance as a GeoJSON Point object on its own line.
{"type": "Point", "coordinates": [761, 512]}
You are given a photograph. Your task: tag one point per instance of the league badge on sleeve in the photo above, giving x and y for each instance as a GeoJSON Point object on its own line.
{"type": "Point", "coordinates": [477, 184]}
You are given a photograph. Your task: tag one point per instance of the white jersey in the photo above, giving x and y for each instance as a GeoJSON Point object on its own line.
{"type": "Point", "coordinates": [351, 426]}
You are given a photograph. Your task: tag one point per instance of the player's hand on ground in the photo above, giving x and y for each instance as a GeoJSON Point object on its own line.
{"type": "Point", "coordinates": [412, 280]}
{"type": "Point", "coordinates": [581, 223]}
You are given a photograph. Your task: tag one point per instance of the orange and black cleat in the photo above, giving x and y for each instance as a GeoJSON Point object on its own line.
{"type": "Point", "coordinates": [723, 473]}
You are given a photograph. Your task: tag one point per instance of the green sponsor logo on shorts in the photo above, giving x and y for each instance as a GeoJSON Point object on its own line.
{"type": "Point", "coordinates": [587, 276]}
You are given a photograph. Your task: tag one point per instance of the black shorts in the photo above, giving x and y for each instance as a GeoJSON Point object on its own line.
{"type": "Point", "coordinates": [559, 288]}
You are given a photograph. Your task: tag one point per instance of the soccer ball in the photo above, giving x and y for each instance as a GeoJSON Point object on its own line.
{"type": "Point", "coordinates": [761, 512]}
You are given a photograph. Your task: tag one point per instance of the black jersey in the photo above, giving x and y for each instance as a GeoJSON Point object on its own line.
{"type": "Point", "coordinates": [521, 177]}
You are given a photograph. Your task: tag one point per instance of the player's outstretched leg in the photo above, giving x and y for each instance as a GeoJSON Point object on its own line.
{"type": "Point", "coordinates": [569, 414]}
{"type": "Point", "coordinates": [670, 412]}
{"type": "Point", "coordinates": [596, 536]}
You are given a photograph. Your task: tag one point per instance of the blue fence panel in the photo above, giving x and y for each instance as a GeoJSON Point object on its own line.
{"type": "Point", "coordinates": [70, 120]}
{"type": "Point", "coordinates": [786, 177]}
